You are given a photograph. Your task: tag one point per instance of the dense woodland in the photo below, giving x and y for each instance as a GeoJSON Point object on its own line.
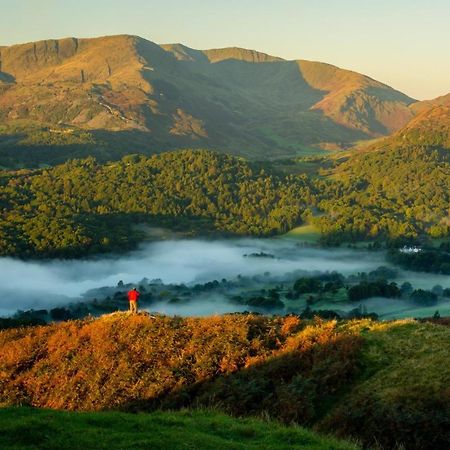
{"type": "Point", "coordinates": [398, 193]}
{"type": "Point", "coordinates": [84, 207]}
{"type": "Point", "coordinates": [437, 261]}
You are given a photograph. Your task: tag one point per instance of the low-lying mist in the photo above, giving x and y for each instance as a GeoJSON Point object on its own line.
{"type": "Point", "coordinates": [44, 284]}
{"type": "Point", "coordinates": [40, 284]}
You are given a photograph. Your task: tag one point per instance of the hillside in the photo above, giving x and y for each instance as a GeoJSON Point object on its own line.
{"type": "Point", "coordinates": [424, 105]}
{"type": "Point", "coordinates": [406, 174]}
{"type": "Point", "coordinates": [391, 186]}
{"type": "Point", "coordinates": [431, 126]}
{"type": "Point", "coordinates": [84, 207]}
{"type": "Point", "coordinates": [128, 94]}
{"type": "Point", "coordinates": [378, 382]}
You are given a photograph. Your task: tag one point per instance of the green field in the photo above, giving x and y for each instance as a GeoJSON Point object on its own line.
{"type": "Point", "coordinates": [28, 428]}
{"type": "Point", "coordinates": [305, 233]}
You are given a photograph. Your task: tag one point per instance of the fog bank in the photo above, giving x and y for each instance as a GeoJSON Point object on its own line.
{"type": "Point", "coordinates": [43, 284]}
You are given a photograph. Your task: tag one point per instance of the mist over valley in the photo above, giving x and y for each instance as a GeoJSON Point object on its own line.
{"type": "Point", "coordinates": [204, 277]}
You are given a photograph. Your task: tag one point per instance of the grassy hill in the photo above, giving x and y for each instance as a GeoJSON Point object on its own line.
{"type": "Point", "coordinates": [133, 95]}
{"type": "Point", "coordinates": [378, 382]}
{"type": "Point", "coordinates": [425, 105]}
{"type": "Point", "coordinates": [402, 390]}
{"type": "Point", "coordinates": [430, 128]}
{"type": "Point", "coordinates": [33, 428]}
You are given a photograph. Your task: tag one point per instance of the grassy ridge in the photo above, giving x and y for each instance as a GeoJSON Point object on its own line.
{"type": "Point", "coordinates": [378, 382]}
{"type": "Point", "coordinates": [31, 428]}
{"type": "Point", "coordinates": [247, 363]}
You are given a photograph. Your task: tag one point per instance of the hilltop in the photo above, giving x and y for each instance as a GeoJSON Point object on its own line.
{"type": "Point", "coordinates": [117, 94]}
{"type": "Point", "coordinates": [384, 383]}
{"type": "Point", "coordinates": [429, 128]}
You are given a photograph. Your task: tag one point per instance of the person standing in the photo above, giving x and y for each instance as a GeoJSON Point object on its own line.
{"type": "Point", "coordinates": [133, 297]}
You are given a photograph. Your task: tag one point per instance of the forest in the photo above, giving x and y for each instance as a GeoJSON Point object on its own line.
{"type": "Point", "coordinates": [83, 207]}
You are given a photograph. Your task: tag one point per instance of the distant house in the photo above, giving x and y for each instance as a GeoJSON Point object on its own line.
{"type": "Point", "coordinates": [410, 249]}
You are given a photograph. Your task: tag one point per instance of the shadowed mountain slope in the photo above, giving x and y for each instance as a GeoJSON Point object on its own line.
{"type": "Point", "coordinates": [428, 129]}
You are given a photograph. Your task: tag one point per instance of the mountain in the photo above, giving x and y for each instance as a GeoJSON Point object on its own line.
{"type": "Point", "coordinates": [431, 126]}
{"type": "Point", "coordinates": [121, 94]}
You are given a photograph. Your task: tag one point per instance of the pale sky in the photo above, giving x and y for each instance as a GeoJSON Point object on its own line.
{"type": "Point", "coordinates": [403, 43]}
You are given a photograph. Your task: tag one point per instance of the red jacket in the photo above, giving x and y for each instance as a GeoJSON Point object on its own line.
{"type": "Point", "coordinates": [133, 295]}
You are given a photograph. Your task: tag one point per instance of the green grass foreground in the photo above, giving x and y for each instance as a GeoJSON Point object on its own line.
{"type": "Point", "coordinates": [30, 428]}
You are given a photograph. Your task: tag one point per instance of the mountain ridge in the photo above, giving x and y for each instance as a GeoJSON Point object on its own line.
{"type": "Point", "coordinates": [171, 96]}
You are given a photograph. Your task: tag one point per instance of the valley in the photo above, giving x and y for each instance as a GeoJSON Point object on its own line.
{"type": "Point", "coordinates": [286, 222]}
{"type": "Point", "coordinates": [208, 277]}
